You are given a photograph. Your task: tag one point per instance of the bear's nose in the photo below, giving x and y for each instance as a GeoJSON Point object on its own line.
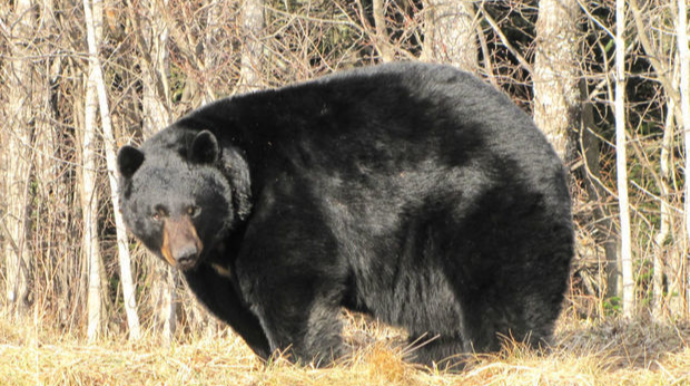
{"type": "Point", "coordinates": [186, 255]}
{"type": "Point", "coordinates": [181, 245]}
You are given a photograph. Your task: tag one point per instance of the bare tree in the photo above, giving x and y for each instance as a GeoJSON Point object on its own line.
{"type": "Point", "coordinates": [253, 23]}
{"type": "Point", "coordinates": [662, 57]}
{"type": "Point", "coordinates": [53, 234]}
{"type": "Point", "coordinates": [603, 224]}
{"type": "Point", "coordinates": [559, 111]}
{"type": "Point", "coordinates": [156, 113]}
{"type": "Point", "coordinates": [660, 52]}
{"type": "Point", "coordinates": [449, 30]}
{"type": "Point", "coordinates": [212, 41]}
{"type": "Point", "coordinates": [381, 40]}
{"type": "Point", "coordinates": [621, 164]}
{"type": "Point", "coordinates": [665, 211]}
{"type": "Point", "coordinates": [89, 189]}
{"type": "Point", "coordinates": [109, 139]}
{"type": "Point", "coordinates": [154, 69]}
{"type": "Point", "coordinates": [682, 30]}
{"type": "Point", "coordinates": [556, 74]}
{"type": "Point", "coordinates": [17, 155]}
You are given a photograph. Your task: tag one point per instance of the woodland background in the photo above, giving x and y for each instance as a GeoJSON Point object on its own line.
{"type": "Point", "coordinates": [607, 81]}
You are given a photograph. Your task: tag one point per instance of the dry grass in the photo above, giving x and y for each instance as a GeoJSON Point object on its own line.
{"type": "Point", "coordinates": [612, 353]}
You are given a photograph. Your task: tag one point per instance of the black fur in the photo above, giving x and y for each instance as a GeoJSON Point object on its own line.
{"type": "Point", "coordinates": [413, 192]}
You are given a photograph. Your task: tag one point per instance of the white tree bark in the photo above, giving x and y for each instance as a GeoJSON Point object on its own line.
{"type": "Point", "coordinates": [89, 201]}
{"type": "Point", "coordinates": [128, 287]}
{"type": "Point", "coordinates": [685, 112]}
{"type": "Point", "coordinates": [621, 166]}
{"type": "Point", "coordinates": [449, 33]}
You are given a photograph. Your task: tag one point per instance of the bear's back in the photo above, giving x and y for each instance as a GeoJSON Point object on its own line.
{"type": "Point", "coordinates": [386, 119]}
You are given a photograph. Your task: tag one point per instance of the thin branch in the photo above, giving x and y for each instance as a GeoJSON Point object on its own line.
{"type": "Point", "coordinates": [524, 63]}
{"type": "Point", "coordinates": [660, 67]}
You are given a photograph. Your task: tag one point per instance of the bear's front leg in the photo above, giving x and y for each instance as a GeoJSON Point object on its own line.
{"type": "Point", "coordinates": [217, 293]}
{"type": "Point", "coordinates": [301, 319]}
{"type": "Point", "coordinates": [291, 274]}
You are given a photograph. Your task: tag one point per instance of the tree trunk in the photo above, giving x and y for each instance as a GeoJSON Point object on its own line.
{"type": "Point", "coordinates": [659, 51]}
{"type": "Point", "coordinates": [163, 297]}
{"type": "Point", "coordinates": [16, 162]}
{"type": "Point", "coordinates": [621, 165]}
{"type": "Point", "coordinates": [382, 43]}
{"type": "Point", "coordinates": [449, 33]}
{"type": "Point", "coordinates": [660, 261]}
{"type": "Point", "coordinates": [154, 69]}
{"type": "Point", "coordinates": [253, 23]}
{"type": "Point", "coordinates": [211, 42]}
{"type": "Point", "coordinates": [591, 151]}
{"type": "Point", "coordinates": [556, 74]}
{"type": "Point", "coordinates": [129, 290]}
{"type": "Point", "coordinates": [89, 195]}
{"type": "Point", "coordinates": [156, 108]}
{"type": "Point", "coordinates": [684, 53]}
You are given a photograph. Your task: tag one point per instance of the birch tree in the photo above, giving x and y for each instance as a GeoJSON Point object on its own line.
{"type": "Point", "coordinates": [109, 139]}
{"type": "Point", "coordinates": [662, 55]}
{"type": "Point", "coordinates": [684, 52]}
{"type": "Point", "coordinates": [621, 164]}
{"type": "Point", "coordinates": [660, 265]}
{"type": "Point", "coordinates": [89, 193]}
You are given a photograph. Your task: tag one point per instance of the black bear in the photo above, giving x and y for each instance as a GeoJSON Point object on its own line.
{"type": "Point", "coordinates": [412, 192]}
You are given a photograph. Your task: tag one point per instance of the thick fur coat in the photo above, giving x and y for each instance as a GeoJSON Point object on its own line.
{"type": "Point", "coordinates": [412, 192]}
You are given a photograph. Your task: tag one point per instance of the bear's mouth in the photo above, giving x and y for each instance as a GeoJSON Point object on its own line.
{"type": "Point", "coordinates": [181, 246]}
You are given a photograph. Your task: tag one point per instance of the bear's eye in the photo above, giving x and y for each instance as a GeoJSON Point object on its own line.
{"type": "Point", "coordinates": [159, 214]}
{"type": "Point", "coordinates": [193, 211]}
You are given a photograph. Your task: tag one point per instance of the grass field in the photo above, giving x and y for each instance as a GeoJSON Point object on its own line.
{"type": "Point", "coordinates": [610, 353]}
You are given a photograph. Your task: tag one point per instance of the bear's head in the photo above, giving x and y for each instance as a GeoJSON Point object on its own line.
{"type": "Point", "coordinates": [176, 197]}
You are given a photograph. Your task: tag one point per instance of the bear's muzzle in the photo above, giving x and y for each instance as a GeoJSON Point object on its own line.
{"type": "Point", "coordinates": [181, 245]}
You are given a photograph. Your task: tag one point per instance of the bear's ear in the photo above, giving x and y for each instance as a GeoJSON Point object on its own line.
{"type": "Point", "coordinates": [129, 159]}
{"type": "Point", "coordinates": [204, 149]}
